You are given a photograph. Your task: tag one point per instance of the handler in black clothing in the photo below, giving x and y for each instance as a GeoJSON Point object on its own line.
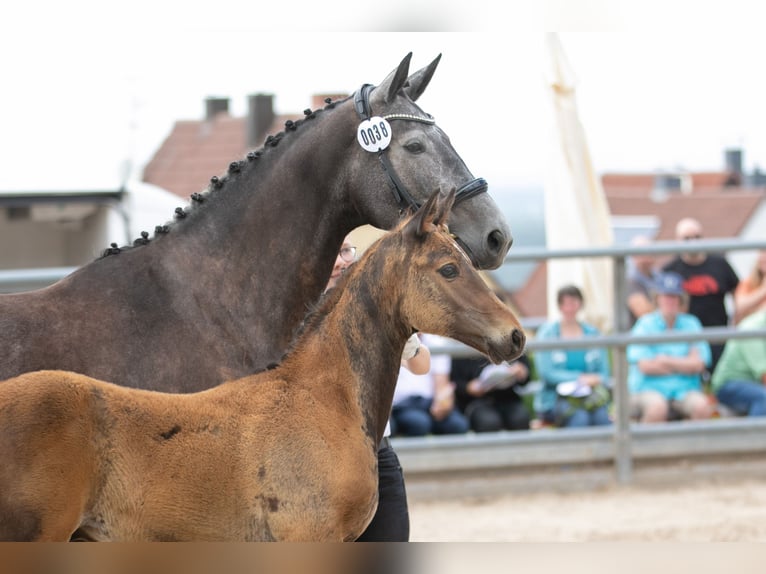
{"type": "Point", "coordinates": [707, 280]}
{"type": "Point", "coordinates": [487, 395]}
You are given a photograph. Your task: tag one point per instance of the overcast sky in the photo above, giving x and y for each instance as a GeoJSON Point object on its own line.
{"type": "Point", "coordinates": [89, 86]}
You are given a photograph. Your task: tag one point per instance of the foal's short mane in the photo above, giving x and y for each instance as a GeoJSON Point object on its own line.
{"type": "Point", "coordinates": [235, 172]}
{"type": "Point", "coordinates": [321, 308]}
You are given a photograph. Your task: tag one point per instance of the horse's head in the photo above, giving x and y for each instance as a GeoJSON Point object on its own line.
{"type": "Point", "coordinates": [442, 292]}
{"type": "Point", "coordinates": [402, 149]}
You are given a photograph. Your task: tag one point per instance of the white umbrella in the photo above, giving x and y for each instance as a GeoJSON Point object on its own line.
{"type": "Point", "coordinates": [576, 210]}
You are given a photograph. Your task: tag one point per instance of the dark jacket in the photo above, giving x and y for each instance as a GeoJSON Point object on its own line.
{"type": "Point", "coordinates": [464, 370]}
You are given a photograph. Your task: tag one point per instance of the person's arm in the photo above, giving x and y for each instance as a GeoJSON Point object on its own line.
{"type": "Point", "coordinates": [416, 356]}
{"type": "Point", "coordinates": [689, 364]}
{"type": "Point", "coordinates": [444, 396]}
{"type": "Point", "coordinates": [639, 304]}
{"type": "Point", "coordinates": [747, 301]}
{"type": "Point", "coordinates": [420, 364]}
{"type": "Point", "coordinates": [644, 355]}
{"type": "Point", "coordinates": [517, 370]}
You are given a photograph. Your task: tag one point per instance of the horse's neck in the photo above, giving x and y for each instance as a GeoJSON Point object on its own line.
{"type": "Point", "coordinates": [357, 350]}
{"type": "Point", "coordinates": [272, 239]}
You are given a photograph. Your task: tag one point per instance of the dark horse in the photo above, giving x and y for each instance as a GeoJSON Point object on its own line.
{"type": "Point", "coordinates": [239, 462]}
{"type": "Point", "coordinates": [219, 292]}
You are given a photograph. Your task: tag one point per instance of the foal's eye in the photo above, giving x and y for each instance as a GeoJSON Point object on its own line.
{"type": "Point", "coordinates": [414, 147]}
{"type": "Point", "coordinates": [449, 271]}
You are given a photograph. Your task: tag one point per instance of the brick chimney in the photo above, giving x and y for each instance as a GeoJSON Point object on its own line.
{"type": "Point", "coordinates": [214, 106]}
{"type": "Point", "coordinates": [260, 116]}
{"type": "Point", "coordinates": [733, 158]}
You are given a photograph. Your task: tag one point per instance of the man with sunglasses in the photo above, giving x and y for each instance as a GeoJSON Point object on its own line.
{"type": "Point", "coordinates": [708, 279]}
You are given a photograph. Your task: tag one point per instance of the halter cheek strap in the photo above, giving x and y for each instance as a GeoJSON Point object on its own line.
{"type": "Point", "coordinates": [401, 195]}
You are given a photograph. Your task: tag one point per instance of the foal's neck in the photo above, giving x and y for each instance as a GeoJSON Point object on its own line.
{"type": "Point", "coordinates": [356, 349]}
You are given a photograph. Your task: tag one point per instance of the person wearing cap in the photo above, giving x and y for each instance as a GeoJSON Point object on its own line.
{"type": "Point", "coordinates": [739, 378]}
{"type": "Point", "coordinates": [665, 378]}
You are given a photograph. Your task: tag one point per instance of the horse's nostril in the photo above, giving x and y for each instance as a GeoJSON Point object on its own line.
{"type": "Point", "coordinates": [497, 242]}
{"type": "Point", "coordinates": [518, 338]}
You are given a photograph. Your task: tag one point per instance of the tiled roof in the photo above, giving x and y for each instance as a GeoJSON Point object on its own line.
{"type": "Point", "coordinates": [738, 204]}
{"type": "Point", "coordinates": [196, 150]}
{"type": "Point", "coordinates": [643, 183]}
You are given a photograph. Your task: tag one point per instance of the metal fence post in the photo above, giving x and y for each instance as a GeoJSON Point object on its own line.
{"type": "Point", "coordinates": [622, 448]}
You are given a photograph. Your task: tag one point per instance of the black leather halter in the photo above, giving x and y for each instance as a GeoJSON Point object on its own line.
{"type": "Point", "coordinates": [401, 195]}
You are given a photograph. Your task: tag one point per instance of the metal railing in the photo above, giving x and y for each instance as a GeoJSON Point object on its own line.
{"type": "Point", "coordinates": [623, 432]}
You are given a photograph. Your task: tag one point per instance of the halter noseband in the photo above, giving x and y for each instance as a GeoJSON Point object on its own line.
{"type": "Point", "coordinates": [401, 195]}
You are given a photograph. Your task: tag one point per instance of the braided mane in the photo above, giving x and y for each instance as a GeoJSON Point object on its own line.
{"type": "Point", "coordinates": [236, 170]}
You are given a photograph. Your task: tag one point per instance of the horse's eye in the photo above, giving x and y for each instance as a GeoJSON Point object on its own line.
{"type": "Point", "coordinates": [449, 271]}
{"type": "Point", "coordinates": [414, 147]}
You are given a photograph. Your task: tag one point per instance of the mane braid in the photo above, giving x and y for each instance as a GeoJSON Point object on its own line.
{"type": "Point", "coordinates": [235, 170]}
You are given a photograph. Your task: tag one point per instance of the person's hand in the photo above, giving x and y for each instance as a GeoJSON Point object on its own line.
{"type": "Point", "coordinates": [518, 371]}
{"type": "Point", "coordinates": [590, 379]}
{"type": "Point", "coordinates": [443, 403]}
{"type": "Point", "coordinates": [475, 388]}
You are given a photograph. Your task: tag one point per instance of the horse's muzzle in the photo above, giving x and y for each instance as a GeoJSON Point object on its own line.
{"type": "Point", "coordinates": [510, 348]}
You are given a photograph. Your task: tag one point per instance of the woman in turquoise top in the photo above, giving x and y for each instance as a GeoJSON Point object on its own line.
{"type": "Point", "coordinates": [574, 392]}
{"type": "Point", "coordinates": [666, 378]}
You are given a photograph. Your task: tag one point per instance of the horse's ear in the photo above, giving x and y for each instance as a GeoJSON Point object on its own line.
{"type": "Point", "coordinates": [435, 212]}
{"type": "Point", "coordinates": [417, 82]}
{"type": "Point", "coordinates": [395, 80]}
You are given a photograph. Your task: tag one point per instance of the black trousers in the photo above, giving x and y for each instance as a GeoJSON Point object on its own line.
{"type": "Point", "coordinates": [391, 522]}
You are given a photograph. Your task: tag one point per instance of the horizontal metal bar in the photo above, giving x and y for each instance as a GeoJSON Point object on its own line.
{"type": "Point", "coordinates": [578, 446]}
{"type": "Point", "coordinates": [655, 248]}
{"type": "Point", "coordinates": [714, 334]}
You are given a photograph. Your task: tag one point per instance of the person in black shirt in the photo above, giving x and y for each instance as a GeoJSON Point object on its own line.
{"type": "Point", "coordinates": [708, 278]}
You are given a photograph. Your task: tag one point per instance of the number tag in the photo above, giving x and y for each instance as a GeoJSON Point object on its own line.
{"type": "Point", "coordinates": [374, 134]}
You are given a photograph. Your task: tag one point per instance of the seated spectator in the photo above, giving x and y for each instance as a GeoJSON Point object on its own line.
{"type": "Point", "coordinates": [665, 379]}
{"type": "Point", "coordinates": [425, 404]}
{"type": "Point", "coordinates": [487, 394]}
{"type": "Point", "coordinates": [750, 294]}
{"type": "Point", "coordinates": [739, 377]}
{"type": "Point", "coordinates": [640, 280]}
{"type": "Point", "coordinates": [574, 392]}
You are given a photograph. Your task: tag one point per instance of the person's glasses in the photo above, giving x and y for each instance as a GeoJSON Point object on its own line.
{"type": "Point", "coordinates": [347, 254]}
{"type": "Point", "coordinates": [690, 237]}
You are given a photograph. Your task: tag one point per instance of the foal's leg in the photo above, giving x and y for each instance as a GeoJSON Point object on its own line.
{"type": "Point", "coordinates": [41, 506]}
{"type": "Point", "coordinates": [22, 521]}
{"type": "Point", "coordinates": [47, 460]}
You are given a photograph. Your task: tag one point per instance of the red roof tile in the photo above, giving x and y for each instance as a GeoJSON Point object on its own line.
{"type": "Point", "coordinates": [196, 150]}
{"type": "Point", "coordinates": [737, 204]}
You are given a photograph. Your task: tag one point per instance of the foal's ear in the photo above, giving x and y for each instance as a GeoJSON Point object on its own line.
{"type": "Point", "coordinates": [393, 82]}
{"type": "Point", "coordinates": [417, 82]}
{"type": "Point", "coordinates": [435, 212]}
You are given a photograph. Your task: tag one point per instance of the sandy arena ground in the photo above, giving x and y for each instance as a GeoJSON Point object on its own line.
{"type": "Point", "coordinates": [716, 512]}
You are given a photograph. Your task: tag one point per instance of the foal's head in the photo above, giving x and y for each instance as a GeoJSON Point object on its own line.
{"type": "Point", "coordinates": [440, 292]}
